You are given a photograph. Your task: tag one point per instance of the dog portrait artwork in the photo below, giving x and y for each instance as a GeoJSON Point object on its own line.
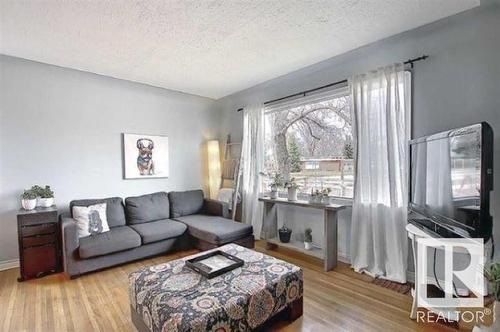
{"type": "Point", "coordinates": [145, 156]}
{"type": "Point", "coordinates": [95, 222]}
{"type": "Point", "coordinates": [145, 162]}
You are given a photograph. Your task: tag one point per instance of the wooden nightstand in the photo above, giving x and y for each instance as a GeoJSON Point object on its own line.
{"type": "Point", "coordinates": [39, 242]}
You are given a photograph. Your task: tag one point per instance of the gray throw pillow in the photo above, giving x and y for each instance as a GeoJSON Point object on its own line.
{"type": "Point", "coordinates": [146, 208]}
{"type": "Point", "coordinates": [184, 203]}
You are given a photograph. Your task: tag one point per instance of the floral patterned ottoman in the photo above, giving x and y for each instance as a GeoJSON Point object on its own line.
{"type": "Point", "coordinates": [172, 297]}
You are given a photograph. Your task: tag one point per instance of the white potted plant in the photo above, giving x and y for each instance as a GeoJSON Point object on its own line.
{"type": "Point", "coordinates": [292, 187]}
{"type": "Point", "coordinates": [45, 196]}
{"type": "Point", "coordinates": [308, 239]}
{"type": "Point", "coordinates": [315, 197]}
{"type": "Point", "coordinates": [28, 199]}
{"type": "Point", "coordinates": [325, 196]}
{"type": "Point", "coordinates": [275, 184]}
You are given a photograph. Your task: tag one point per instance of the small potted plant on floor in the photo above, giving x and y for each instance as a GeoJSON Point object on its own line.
{"type": "Point", "coordinates": [285, 233]}
{"type": "Point", "coordinates": [308, 239]}
{"type": "Point", "coordinates": [28, 199]}
{"type": "Point", "coordinates": [45, 196]}
{"type": "Point", "coordinates": [292, 187]}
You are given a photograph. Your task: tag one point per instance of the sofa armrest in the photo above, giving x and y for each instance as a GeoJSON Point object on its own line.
{"type": "Point", "coordinates": [216, 208]}
{"type": "Point", "coordinates": [70, 245]}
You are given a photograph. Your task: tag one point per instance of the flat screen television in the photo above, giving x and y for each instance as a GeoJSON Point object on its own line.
{"type": "Point", "coordinates": [451, 177]}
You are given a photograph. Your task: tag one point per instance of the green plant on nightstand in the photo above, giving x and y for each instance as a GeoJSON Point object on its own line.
{"type": "Point", "coordinates": [47, 192]}
{"type": "Point", "coordinates": [28, 199]}
{"type": "Point", "coordinates": [28, 194]}
{"type": "Point", "coordinates": [45, 195]}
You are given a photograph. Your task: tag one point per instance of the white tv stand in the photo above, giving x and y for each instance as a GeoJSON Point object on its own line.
{"type": "Point", "coordinates": [414, 233]}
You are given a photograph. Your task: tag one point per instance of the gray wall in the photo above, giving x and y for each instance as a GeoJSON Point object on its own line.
{"type": "Point", "coordinates": [63, 127]}
{"type": "Point", "coordinates": [458, 85]}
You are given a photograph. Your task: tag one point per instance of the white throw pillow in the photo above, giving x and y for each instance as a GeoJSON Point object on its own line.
{"type": "Point", "coordinates": [91, 219]}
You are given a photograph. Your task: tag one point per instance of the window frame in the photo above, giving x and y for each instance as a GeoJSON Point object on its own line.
{"type": "Point", "coordinates": [314, 97]}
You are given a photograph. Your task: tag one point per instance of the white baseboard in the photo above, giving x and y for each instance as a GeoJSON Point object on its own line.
{"type": "Point", "coordinates": [10, 264]}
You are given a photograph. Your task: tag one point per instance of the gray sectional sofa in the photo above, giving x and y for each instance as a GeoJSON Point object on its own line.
{"type": "Point", "coordinates": [150, 225]}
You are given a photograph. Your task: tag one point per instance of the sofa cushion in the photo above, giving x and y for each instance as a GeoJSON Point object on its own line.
{"type": "Point", "coordinates": [184, 203]}
{"type": "Point", "coordinates": [117, 239]}
{"type": "Point", "coordinates": [147, 208]}
{"type": "Point", "coordinates": [216, 230]}
{"type": "Point", "coordinates": [114, 209]}
{"type": "Point", "coordinates": [159, 230]}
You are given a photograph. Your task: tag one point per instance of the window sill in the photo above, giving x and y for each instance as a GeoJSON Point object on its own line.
{"type": "Point", "coordinates": [305, 197]}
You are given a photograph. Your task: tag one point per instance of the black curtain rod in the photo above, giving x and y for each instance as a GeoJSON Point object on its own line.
{"type": "Point", "coordinates": [303, 93]}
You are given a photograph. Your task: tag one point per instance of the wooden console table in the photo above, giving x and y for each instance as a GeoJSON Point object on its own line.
{"type": "Point", "coordinates": [270, 229]}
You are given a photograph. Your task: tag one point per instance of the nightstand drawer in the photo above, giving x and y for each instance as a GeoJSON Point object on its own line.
{"type": "Point", "coordinates": [38, 240]}
{"type": "Point", "coordinates": [39, 261]}
{"type": "Point", "coordinates": [38, 229]}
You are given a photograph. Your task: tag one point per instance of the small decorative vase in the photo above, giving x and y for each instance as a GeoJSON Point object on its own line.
{"type": "Point", "coordinates": [28, 204]}
{"type": "Point", "coordinates": [45, 202]}
{"type": "Point", "coordinates": [325, 200]}
{"type": "Point", "coordinates": [292, 194]}
{"type": "Point", "coordinates": [308, 245]}
{"type": "Point", "coordinates": [285, 234]}
{"type": "Point", "coordinates": [273, 194]}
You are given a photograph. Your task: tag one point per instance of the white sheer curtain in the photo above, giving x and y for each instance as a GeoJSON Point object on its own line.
{"type": "Point", "coordinates": [252, 163]}
{"type": "Point", "coordinates": [381, 129]}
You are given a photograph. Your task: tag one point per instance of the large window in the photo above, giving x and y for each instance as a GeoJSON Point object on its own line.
{"type": "Point", "coordinates": [310, 139]}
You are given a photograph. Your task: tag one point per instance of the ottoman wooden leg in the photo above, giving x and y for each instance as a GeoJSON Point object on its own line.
{"type": "Point", "coordinates": [295, 309]}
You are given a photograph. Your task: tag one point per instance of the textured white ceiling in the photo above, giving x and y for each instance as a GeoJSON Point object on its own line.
{"type": "Point", "coordinates": [208, 48]}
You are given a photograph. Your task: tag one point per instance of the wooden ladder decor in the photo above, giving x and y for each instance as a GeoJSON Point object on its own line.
{"type": "Point", "coordinates": [231, 171]}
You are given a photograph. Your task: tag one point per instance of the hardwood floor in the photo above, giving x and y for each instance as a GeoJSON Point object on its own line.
{"type": "Point", "coordinates": [339, 300]}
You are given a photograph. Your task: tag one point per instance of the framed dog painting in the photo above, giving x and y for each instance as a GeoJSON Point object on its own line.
{"type": "Point", "coordinates": [145, 156]}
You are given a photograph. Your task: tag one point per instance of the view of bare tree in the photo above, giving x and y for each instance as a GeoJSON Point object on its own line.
{"type": "Point", "coordinates": [320, 130]}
